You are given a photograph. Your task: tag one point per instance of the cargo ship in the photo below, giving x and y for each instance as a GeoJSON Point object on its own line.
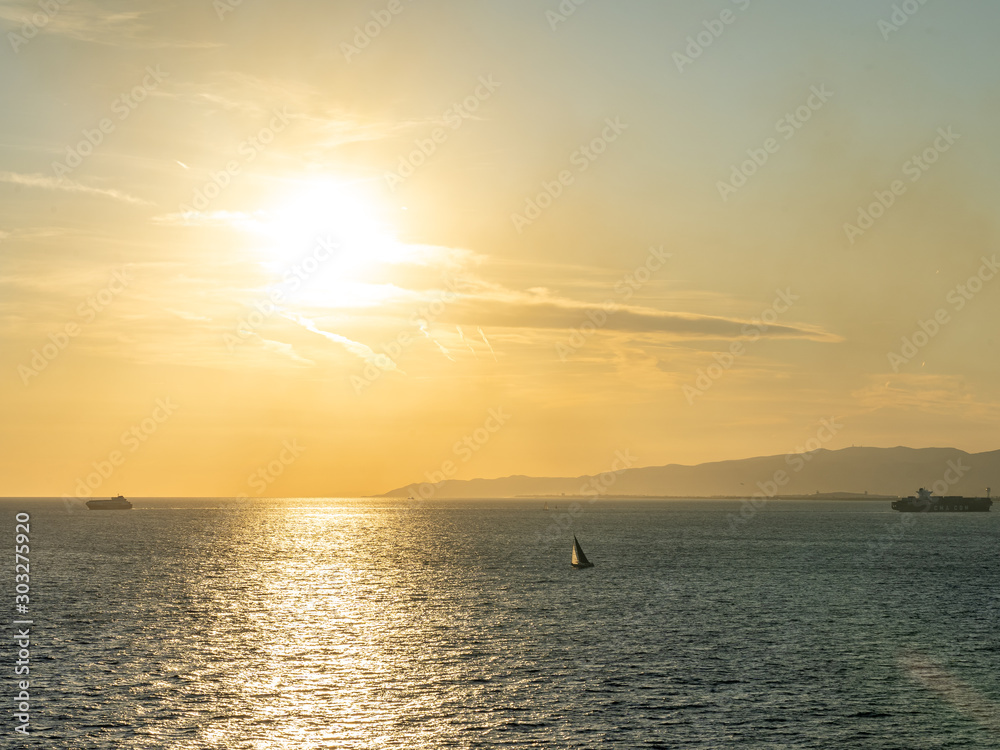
{"type": "Point", "coordinates": [924, 502]}
{"type": "Point", "coordinates": [115, 503]}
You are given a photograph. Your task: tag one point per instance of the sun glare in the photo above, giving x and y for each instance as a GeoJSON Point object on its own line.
{"type": "Point", "coordinates": [317, 215]}
{"type": "Point", "coordinates": [321, 209]}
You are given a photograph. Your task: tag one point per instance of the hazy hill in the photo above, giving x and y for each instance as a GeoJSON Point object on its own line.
{"type": "Point", "coordinates": [880, 471]}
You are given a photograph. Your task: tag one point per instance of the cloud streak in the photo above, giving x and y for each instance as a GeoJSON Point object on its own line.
{"type": "Point", "coordinates": [240, 220]}
{"type": "Point", "coordinates": [89, 22]}
{"type": "Point", "coordinates": [362, 351]}
{"type": "Point", "coordinates": [286, 350]}
{"type": "Point", "coordinates": [43, 182]}
{"type": "Point", "coordinates": [498, 308]}
{"type": "Point", "coordinates": [488, 344]}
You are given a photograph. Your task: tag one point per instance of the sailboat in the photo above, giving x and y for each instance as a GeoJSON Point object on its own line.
{"type": "Point", "coordinates": [579, 559]}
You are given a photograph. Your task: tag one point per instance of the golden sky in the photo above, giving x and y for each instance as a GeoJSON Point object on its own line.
{"type": "Point", "coordinates": [312, 248]}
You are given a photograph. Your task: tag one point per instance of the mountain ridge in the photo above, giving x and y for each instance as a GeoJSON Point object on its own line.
{"type": "Point", "coordinates": [898, 471]}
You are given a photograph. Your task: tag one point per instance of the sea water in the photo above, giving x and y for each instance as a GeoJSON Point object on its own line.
{"type": "Point", "coordinates": [386, 623]}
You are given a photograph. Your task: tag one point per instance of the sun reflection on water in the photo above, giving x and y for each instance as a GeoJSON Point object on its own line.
{"type": "Point", "coordinates": [311, 593]}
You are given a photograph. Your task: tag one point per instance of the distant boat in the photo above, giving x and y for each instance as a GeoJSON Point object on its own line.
{"type": "Point", "coordinates": [115, 503]}
{"type": "Point", "coordinates": [579, 559]}
{"type": "Point", "coordinates": [925, 503]}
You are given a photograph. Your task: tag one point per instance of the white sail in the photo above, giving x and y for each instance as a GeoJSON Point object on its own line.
{"type": "Point", "coordinates": [579, 559]}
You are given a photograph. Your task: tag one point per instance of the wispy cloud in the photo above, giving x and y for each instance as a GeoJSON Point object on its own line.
{"type": "Point", "coordinates": [493, 306]}
{"type": "Point", "coordinates": [488, 344]}
{"type": "Point", "coordinates": [185, 315]}
{"type": "Point", "coordinates": [88, 21]}
{"type": "Point", "coordinates": [242, 93]}
{"type": "Point", "coordinates": [441, 347]}
{"type": "Point", "coordinates": [924, 392]}
{"type": "Point", "coordinates": [285, 350]}
{"type": "Point", "coordinates": [356, 348]}
{"type": "Point", "coordinates": [320, 124]}
{"type": "Point", "coordinates": [44, 182]}
{"type": "Point", "coordinates": [466, 342]}
{"type": "Point", "coordinates": [243, 220]}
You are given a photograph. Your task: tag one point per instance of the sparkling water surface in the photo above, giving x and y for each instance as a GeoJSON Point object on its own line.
{"type": "Point", "coordinates": [377, 623]}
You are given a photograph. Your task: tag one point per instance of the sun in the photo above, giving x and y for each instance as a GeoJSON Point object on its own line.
{"type": "Point", "coordinates": [312, 215]}
{"type": "Point", "coordinates": [318, 209]}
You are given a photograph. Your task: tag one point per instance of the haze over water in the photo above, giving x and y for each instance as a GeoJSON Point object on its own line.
{"type": "Point", "coordinates": [373, 623]}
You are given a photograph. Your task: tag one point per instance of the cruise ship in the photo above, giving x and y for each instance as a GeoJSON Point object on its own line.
{"type": "Point", "coordinates": [114, 503]}
{"type": "Point", "coordinates": [924, 502]}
